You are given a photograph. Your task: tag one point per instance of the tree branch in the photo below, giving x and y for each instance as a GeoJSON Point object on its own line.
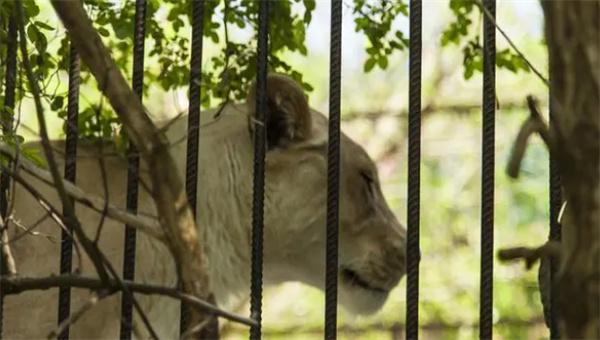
{"type": "Point", "coordinates": [168, 192]}
{"type": "Point", "coordinates": [142, 223]}
{"type": "Point", "coordinates": [51, 212]}
{"type": "Point", "coordinates": [16, 285]}
{"type": "Point", "coordinates": [91, 302]}
{"type": "Point", "coordinates": [534, 124]}
{"type": "Point", "coordinates": [7, 260]}
{"type": "Point", "coordinates": [70, 218]}
{"type": "Point", "coordinates": [530, 255]}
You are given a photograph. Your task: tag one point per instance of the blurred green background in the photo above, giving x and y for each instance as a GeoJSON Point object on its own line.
{"type": "Point", "coordinates": [374, 114]}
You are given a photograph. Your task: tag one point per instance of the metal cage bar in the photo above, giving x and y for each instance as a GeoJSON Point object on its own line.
{"type": "Point", "coordinates": [191, 179]}
{"type": "Point", "coordinates": [555, 233]}
{"type": "Point", "coordinates": [258, 186]}
{"type": "Point", "coordinates": [133, 168]}
{"type": "Point", "coordinates": [333, 172]}
{"type": "Point", "coordinates": [66, 258]}
{"type": "Point", "coordinates": [414, 171]}
{"type": "Point", "coordinates": [7, 118]}
{"type": "Point", "coordinates": [487, 174]}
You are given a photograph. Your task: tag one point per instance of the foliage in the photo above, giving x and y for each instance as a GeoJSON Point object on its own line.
{"type": "Point", "coordinates": [461, 30]}
{"type": "Point", "coordinates": [229, 73]}
{"type": "Point", "coordinates": [375, 21]}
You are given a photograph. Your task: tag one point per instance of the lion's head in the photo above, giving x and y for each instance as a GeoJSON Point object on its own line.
{"type": "Point", "coordinates": [372, 243]}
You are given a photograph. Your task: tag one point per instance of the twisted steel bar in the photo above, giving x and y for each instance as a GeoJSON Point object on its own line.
{"type": "Point", "coordinates": [487, 174]}
{"type": "Point", "coordinates": [259, 170]}
{"type": "Point", "coordinates": [414, 171]}
{"type": "Point", "coordinates": [333, 172]}
{"type": "Point", "coordinates": [133, 169]}
{"type": "Point", "coordinates": [7, 121]}
{"type": "Point", "coordinates": [191, 180]}
{"type": "Point", "coordinates": [66, 258]}
{"type": "Point", "coordinates": [555, 233]}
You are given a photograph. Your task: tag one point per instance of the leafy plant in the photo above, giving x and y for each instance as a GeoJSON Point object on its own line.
{"type": "Point", "coordinates": [460, 31]}
{"type": "Point", "coordinates": [229, 73]}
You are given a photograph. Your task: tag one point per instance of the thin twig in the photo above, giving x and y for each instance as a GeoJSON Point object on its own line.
{"type": "Point", "coordinates": [91, 302]}
{"type": "Point", "coordinates": [52, 212]}
{"type": "Point", "coordinates": [512, 44]}
{"type": "Point", "coordinates": [197, 328]}
{"type": "Point", "coordinates": [225, 75]}
{"type": "Point", "coordinates": [30, 230]}
{"type": "Point", "coordinates": [128, 293]}
{"type": "Point", "coordinates": [142, 223]}
{"type": "Point", "coordinates": [533, 124]}
{"type": "Point", "coordinates": [70, 217]}
{"type": "Point", "coordinates": [7, 261]}
{"type": "Point", "coordinates": [16, 285]}
{"type": "Point", "coordinates": [102, 165]}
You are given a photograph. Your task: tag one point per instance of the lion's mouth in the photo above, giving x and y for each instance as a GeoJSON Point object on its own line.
{"type": "Point", "coordinates": [352, 278]}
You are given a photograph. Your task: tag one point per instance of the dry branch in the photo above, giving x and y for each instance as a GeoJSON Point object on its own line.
{"type": "Point", "coordinates": [530, 255]}
{"type": "Point", "coordinates": [91, 302]}
{"type": "Point", "coordinates": [141, 223]}
{"type": "Point", "coordinates": [70, 218]}
{"type": "Point", "coordinates": [7, 260]}
{"type": "Point", "coordinates": [16, 285]}
{"type": "Point", "coordinates": [167, 188]}
{"type": "Point", "coordinates": [534, 124]}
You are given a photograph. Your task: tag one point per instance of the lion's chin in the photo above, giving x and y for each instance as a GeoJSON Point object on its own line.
{"type": "Point", "coordinates": [359, 300]}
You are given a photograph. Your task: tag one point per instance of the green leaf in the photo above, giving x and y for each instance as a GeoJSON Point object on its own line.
{"type": "Point", "coordinates": [369, 64]}
{"type": "Point", "coordinates": [383, 62]}
{"type": "Point", "coordinates": [32, 33]}
{"type": "Point", "coordinates": [103, 31]}
{"type": "Point", "coordinates": [44, 26]}
{"type": "Point", "coordinates": [57, 103]}
{"type": "Point", "coordinates": [214, 37]}
{"type": "Point", "coordinates": [31, 9]}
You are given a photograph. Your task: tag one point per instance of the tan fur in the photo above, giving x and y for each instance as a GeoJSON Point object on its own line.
{"type": "Point", "coordinates": [372, 241]}
{"type": "Point", "coordinates": [287, 96]}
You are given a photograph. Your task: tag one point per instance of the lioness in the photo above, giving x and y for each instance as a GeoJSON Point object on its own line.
{"type": "Point", "coordinates": [372, 241]}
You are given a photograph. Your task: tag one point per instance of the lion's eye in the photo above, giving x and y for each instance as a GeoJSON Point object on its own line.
{"type": "Point", "coordinates": [370, 181]}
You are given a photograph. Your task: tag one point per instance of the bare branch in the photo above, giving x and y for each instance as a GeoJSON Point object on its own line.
{"type": "Point", "coordinates": [530, 255]}
{"type": "Point", "coordinates": [70, 218]}
{"type": "Point", "coordinates": [91, 302]}
{"type": "Point", "coordinates": [16, 285]}
{"type": "Point", "coordinates": [197, 328]}
{"type": "Point", "coordinates": [144, 224]}
{"type": "Point", "coordinates": [168, 191]}
{"type": "Point", "coordinates": [490, 17]}
{"type": "Point", "coordinates": [535, 123]}
{"type": "Point", "coordinates": [29, 230]}
{"type": "Point", "coordinates": [8, 261]}
{"type": "Point", "coordinates": [54, 214]}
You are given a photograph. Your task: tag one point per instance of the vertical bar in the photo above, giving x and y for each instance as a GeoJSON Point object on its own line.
{"type": "Point", "coordinates": [66, 258]}
{"type": "Point", "coordinates": [133, 169]}
{"type": "Point", "coordinates": [333, 172]}
{"type": "Point", "coordinates": [487, 174]}
{"type": "Point", "coordinates": [7, 120]}
{"type": "Point", "coordinates": [414, 171]}
{"type": "Point", "coordinates": [259, 170]}
{"type": "Point", "coordinates": [555, 228]}
{"type": "Point", "coordinates": [212, 330]}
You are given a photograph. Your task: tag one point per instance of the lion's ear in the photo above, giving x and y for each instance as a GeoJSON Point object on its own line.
{"type": "Point", "coordinates": [288, 117]}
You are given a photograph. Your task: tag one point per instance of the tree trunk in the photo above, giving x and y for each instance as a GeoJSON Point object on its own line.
{"type": "Point", "coordinates": [573, 38]}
